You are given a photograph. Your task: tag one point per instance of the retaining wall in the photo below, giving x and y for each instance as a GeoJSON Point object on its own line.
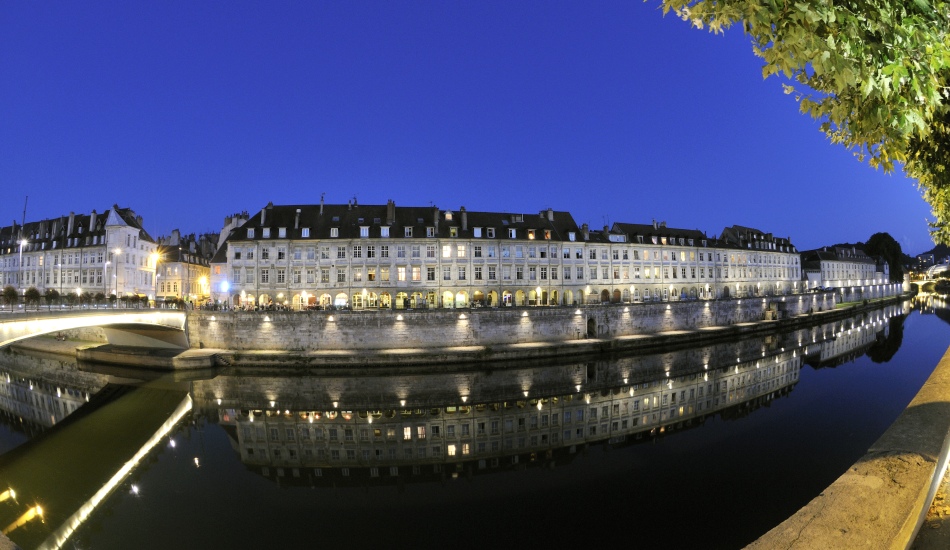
{"type": "Point", "coordinates": [369, 330]}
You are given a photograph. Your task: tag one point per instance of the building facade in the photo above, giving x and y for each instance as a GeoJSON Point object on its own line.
{"type": "Point", "coordinates": [849, 271]}
{"type": "Point", "coordinates": [384, 256]}
{"type": "Point", "coordinates": [108, 253]}
{"type": "Point", "coordinates": [184, 270]}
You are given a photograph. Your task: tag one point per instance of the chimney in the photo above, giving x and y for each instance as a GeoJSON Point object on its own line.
{"type": "Point", "coordinates": [92, 221]}
{"type": "Point", "coordinates": [349, 204]}
{"type": "Point", "coordinates": [390, 212]}
{"type": "Point", "coordinates": [585, 232]}
{"type": "Point", "coordinates": [297, 220]}
{"type": "Point", "coordinates": [550, 214]}
{"type": "Point", "coordinates": [435, 218]}
{"type": "Point", "coordinates": [654, 224]}
{"type": "Point", "coordinates": [264, 213]}
{"type": "Point", "coordinates": [138, 220]}
{"type": "Point", "coordinates": [72, 220]}
{"type": "Point", "coordinates": [321, 203]}
{"type": "Point", "coordinates": [606, 230]}
{"type": "Point", "coordinates": [176, 238]}
{"type": "Point", "coordinates": [464, 215]}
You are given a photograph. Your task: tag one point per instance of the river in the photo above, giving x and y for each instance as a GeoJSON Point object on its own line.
{"type": "Point", "coordinates": [703, 447]}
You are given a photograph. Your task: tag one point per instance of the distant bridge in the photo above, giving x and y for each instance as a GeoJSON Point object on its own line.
{"type": "Point", "coordinates": [148, 327]}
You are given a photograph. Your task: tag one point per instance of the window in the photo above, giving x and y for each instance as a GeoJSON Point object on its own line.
{"type": "Point", "coordinates": [324, 252]}
{"type": "Point", "coordinates": [384, 251]}
{"type": "Point", "coordinates": [334, 232]}
{"type": "Point", "coordinates": [430, 273]}
{"type": "Point", "coordinates": [512, 233]}
{"type": "Point", "coordinates": [265, 275]}
{"type": "Point", "coordinates": [357, 251]}
{"type": "Point", "coordinates": [453, 232]}
{"type": "Point", "coordinates": [281, 276]}
{"type": "Point", "coordinates": [461, 273]}
{"type": "Point", "coordinates": [341, 275]}
{"type": "Point", "coordinates": [414, 250]}
{"type": "Point", "coordinates": [250, 232]}
{"type": "Point", "coordinates": [408, 232]}
{"type": "Point", "coordinates": [265, 253]}
{"type": "Point", "coordinates": [446, 273]}
{"type": "Point", "coordinates": [340, 252]}
{"type": "Point", "coordinates": [430, 251]}
{"type": "Point", "coordinates": [305, 232]}
{"type": "Point", "coordinates": [364, 231]}
{"type": "Point", "coordinates": [384, 231]}
{"type": "Point", "coordinates": [266, 232]}
{"type": "Point", "coordinates": [281, 253]}
{"type": "Point", "coordinates": [324, 274]}
{"type": "Point", "coordinates": [478, 273]}
{"type": "Point", "coordinates": [477, 232]}
{"type": "Point", "coordinates": [400, 251]}
{"type": "Point", "coordinates": [282, 232]}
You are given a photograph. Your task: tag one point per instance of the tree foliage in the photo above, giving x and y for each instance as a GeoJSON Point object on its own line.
{"type": "Point", "coordinates": [10, 296]}
{"type": "Point", "coordinates": [51, 296]}
{"type": "Point", "coordinates": [32, 296]}
{"type": "Point", "coordinates": [883, 245]}
{"type": "Point", "coordinates": [876, 73]}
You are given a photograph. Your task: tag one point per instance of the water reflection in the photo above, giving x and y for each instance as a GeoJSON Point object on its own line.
{"type": "Point", "coordinates": [372, 427]}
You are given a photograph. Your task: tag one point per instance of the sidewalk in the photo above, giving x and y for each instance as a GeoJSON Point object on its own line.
{"type": "Point", "coordinates": [935, 532]}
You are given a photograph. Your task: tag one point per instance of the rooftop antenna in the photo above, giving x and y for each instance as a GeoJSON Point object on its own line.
{"type": "Point", "coordinates": [23, 222]}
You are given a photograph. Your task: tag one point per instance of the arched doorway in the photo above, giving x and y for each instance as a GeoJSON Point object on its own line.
{"type": "Point", "coordinates": [402, 300]}
{"type": "Point", "coordinates": [385, 300]}
{"type": "Point", "coordinates": [506, 298]}
{"type": "Point", "coordinates": [520, 298]}
{"type": "Point", "coordinates": [372, 300]}
{"type": "Point", "coordinates": [725, 292]}
{"type": "Point", "coordinates": [340, 300]}
{"type": "Point", "coordinates": [325, 301]}
{"type": "Point", "coordinates": [264, 300]}
{"type": "Point", "coordinates": [569, 297]}
{"type": "Point", "coordinates": [604, 296]}
{"type": "Point", "coordinates": [478, 298]}
{"type": "Point", "coordinates": [493, 299]}
{"type": "Point", "coordinates": [461, 299]}
{"type": "Point", "coordinates": [448, 299]}
{"type": "Point", "coordinates": [357, 301]}
{"type": "Point", "coordinates": [418, 300]}
{"type": "Point", "coordinates": [555, 298]}
{"type": "Point", "coordinates": [591, 328]}
{"type": "Point", "coordinates": [615, 298]}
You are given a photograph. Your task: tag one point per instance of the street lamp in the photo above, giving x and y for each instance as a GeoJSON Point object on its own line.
{"type": "Point", "coordinates": [19, 280]}
{"type": "Point", "coordinates": [115, 274]}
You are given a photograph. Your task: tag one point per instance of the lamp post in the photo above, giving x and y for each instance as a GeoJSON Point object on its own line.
{"type": "Point", "coordinates": [115, 274]}
{"type": "Point", "coordinates": [19, 280]}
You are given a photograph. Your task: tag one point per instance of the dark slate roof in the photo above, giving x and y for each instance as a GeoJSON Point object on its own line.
{"type": "Point", "coordinates": [648, 231]}
{"type": "Point", "coordinates": [348, 219]}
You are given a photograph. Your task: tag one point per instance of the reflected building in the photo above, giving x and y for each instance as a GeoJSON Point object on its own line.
{"type": "Point", "coordinates": [425, 424]}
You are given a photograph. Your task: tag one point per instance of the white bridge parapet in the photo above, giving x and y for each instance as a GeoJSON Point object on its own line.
{"type": "Point", "coordinates": [155, 328]}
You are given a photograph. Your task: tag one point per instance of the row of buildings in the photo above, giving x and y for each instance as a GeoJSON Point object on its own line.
{"type": "Point", "coordinates": [387, 256]}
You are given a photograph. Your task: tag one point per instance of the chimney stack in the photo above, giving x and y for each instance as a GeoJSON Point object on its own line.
{"type": "Point", "coordinates": [390, 212]}
{"type": "Point", "coordinates": [550, 214]}
{"type": "Point", "coordinates": [92, 221]}
{"type": "Point", "coordinates": [297, 220]}
{"type": "Point", "coordinates": [72, 220]}
{"type": "Point", "coordinates": [464, 216]}
{"type": "Point", "coordinates": [585, 232]}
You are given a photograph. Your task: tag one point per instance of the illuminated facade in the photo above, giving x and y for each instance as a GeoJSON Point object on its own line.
{"type": "Point", "coordinates": [184, 267]}
{"type": "Point", "coordinates": [384, 256]}
{"type": "Point", "coordinates": [85, 254]}
{"type": "Point", "coordinates": [848, 270]}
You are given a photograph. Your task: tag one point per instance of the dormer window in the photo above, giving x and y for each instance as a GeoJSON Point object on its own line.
{"type": "Point", "coordinates": [477, 232]}
{"type": "Point", "coordinates": [408, 232]}
{"type": "Point", "coordinates": [571, 236]}
{"type": "Point", "coordinates": [490, 232]}
{"type": "Point", "coordinates": [448, 216]}
{"type": "Point", "coordinates": [530, 234]}
{"type": "Point", "coordinates": [691, 242]}
{"type": "Point", "coordinates": [654, 240]}
{"type": "Point", "coordinates": [282, 232]}
{"type": "Point", "coordinates": [547, 234]}
{"type": "Point", "coordinates": [250, 232]}
{"type": "Point", "coordinates": [512, 233]}
{"type": "Point", "coordinates": [430, 232]}
{"type": "Point", "coordinates": [384, 231]}
{"type": "Point", "coordinates": [305, 232]}
{"type": "Point", "coordinates": [334, 232]}
{"type": "Point", "coordinates": [453, 232]}
{"type": "Point", "coordinates": [364, 231]}
{"type": "Point", "coordinates": [266, 232]}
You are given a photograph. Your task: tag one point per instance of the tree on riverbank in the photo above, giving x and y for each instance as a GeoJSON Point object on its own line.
{"type": "Point", "coordinates": [10, 296]}
{"type": "Point", "coordinates": [883, 245]}
{"type": "Point", "coordinates": [51, 296]}
{"type": "Point", "coordinates": [32, 296]}
{"type": "Point", "coordinates": [876, 74]}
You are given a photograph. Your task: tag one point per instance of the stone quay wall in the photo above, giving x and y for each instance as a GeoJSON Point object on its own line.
{"type": "Point", "coordinates": [441, 328]}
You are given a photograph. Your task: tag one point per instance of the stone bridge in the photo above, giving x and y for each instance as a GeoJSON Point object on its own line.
{"type": "Point", "coordinates": [154, 328]}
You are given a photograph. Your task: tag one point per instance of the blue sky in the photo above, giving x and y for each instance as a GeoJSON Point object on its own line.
{"type": "Point", "coordinates": [190, 111]}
